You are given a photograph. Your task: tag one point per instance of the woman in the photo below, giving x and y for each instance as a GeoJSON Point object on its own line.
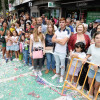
{"type": "Point", "coordinates": [94, 52]}
{"type": "Point", "coordinates": [33, 23]}
{"type": "Point", "coordinates": [78, 37]}
{"type": "Point", "coordinates": [49, 47]}
{"type": "Point", "coordinates": [97, 30]}
{"type": "Point", "coordinates": [37, 39]}
{"type": "Point", "coordinates": [28, 28]}
{"type": "Point", "coordinates": [90, 27]}
{"type": "Point", "coordinates": [3, 32]}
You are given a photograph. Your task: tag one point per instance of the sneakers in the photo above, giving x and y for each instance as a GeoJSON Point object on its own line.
{"type": "Point", "coordinates": [31, 68]}
{"type": "Point", "coordinates": [17, 59]}
{"type": "Point", "coordinates": [61, 79]}
{"type": "Point", "coordinates": [74, 84]}
{"type": "Point", "coordinates": [55, 76]}
{"type": "Point", "coordinates": [47, 71]}
{"type": "Point", "coordinates": [6, 60]}
{"type": "Point", "coordinates": [79, 87]}
{"type": "Point", "coordinates": [91, 96]}
{"type": "Point", "coordinates": [35, 73]}
{"type": "Point", "coordinates": [11, 59]}
{"type": "Point", "coordinates": [25, 64]}
{"type": "Point", "coordinates": [29, 65]}
{"type": "Point", "coordinates": [54, 71]}
{"type": "Point", "coordinates": [40, 73]}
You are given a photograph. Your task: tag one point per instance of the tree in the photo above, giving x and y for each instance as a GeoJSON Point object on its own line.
{"type": "Point", "coordinates": [3, 8]}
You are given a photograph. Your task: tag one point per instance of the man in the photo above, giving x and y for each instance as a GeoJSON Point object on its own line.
{"type": "Point", "coordinates": [39, 22]}
{"type": "Point", "coordinates": [68, 24]}
{"type": "Point", "coordinates": [61, 38]}
{"type": "Point", "coordinates": [13, 20]}
{"type": "Point", "coordinates": [85, 31]}
{"type": "Point", "coordinates": [27, 19]}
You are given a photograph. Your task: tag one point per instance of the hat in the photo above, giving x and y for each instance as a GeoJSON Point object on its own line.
{"type": "Point", "coordinates": [97, 21]}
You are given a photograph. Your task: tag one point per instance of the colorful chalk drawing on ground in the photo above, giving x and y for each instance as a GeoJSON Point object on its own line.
{"type": "Point", "coordinates": [17, 82]}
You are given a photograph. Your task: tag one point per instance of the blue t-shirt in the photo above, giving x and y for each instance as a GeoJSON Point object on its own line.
{"type": "Point", "coordinates": [72, 30]}
{"type": "Point", "coordinates": [48, 40]}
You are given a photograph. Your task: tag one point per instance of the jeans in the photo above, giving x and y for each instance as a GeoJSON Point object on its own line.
{"type": "Point", "coordinates": [60, 62]}
{"type": "Point", "coordinates": [43, 61]}
{"type": "Point", "coordinates": [38, 62]}
{"type": "Point", "coordinates": [26, 55]}
{"type": "Point", "coordinates": [50, 61]}
{"type": "Point", "coordinates": [23, 54]}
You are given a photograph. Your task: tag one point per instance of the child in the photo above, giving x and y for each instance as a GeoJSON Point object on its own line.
{"type": "Point", "coordinates": [22, 46]}
{"type": "Point", "coordinates": [9, 43]}
{"type": "Point", "coordinates": [79, 52]}
{"type": "Point", "coordinates": [26, 50]}
{"type": "Point", "coordinates": [15, 44]}
{"type": "Point", "coordinates": [94, 53]}
{"type": "Point", "coordinates": [12, 27]}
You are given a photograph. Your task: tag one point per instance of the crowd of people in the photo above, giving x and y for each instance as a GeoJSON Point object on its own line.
{"type": "Point", "coordinates": [53, 39]}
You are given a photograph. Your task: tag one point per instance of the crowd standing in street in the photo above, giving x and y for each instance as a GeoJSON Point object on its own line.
{"type": "Point", "coordinates": [53, 39]}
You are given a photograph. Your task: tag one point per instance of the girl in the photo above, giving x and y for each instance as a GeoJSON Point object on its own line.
{"type": "Point", "coordinates": [38, 41]}
{"type": "Point", "coordinates": [49, 47]}
{"type": "Point", "coordinates": [94, 52]}
{"type": "Point", "coordinates": [26, 49]}
{"type": "Point", "coordinates": [78, 52]}
{"type": "Point", "coordinates": [9, 43]}
{"type": "Point", "coordinates": [22, 46]}
{"type": "Point", "coordinates": [29, 30]}
{"type": "Point", "coordinates": [12, 27]}
{"type": "Point", "coordinates": [15, 44]}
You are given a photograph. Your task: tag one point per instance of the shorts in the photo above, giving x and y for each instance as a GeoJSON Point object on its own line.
{"type": "Point", "coordinates": [76, 71]}
{"type": "Point", "coordinates": [8, 48]}
{"type": "Point", "coordinates": [91, 75]}
{"type": "Point", "coordinates": [15, 47]}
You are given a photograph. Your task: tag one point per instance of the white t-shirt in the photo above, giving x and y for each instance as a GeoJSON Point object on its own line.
{"type": "Point", "coordinates": [18, 30]}
{"type": "Point", "coordinates": [61, 35]}
{"type": "Point", "coordinates": [95, 55]}
{"type": "Point", "coordinates": [81, 55]}
{"type": "Point", "coordinates": [14, 38]}
{"type": "Point", "coordinates": [36, 44]}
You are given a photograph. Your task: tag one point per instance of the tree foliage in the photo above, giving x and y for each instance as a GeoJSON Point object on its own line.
{"type": "Point", "coordinates": [6, 5]}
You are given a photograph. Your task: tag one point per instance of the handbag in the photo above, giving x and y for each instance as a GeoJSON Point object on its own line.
{"type": "Point", "coordinates": [20, 56]}
{"type": "Point", "coordinates": [2, 39]}
{"type": "Point", "coordinates": [37, 54]}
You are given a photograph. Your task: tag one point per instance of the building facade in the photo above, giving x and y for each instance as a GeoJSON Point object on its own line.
{"type": "Point", "coordinates": [76, 9]}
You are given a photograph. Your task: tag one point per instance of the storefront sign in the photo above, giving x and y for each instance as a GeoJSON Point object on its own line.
{"type": "Point", "coordinates": [53, 4]}
{"type": "Point", "coordinates": [81, 4]}
{"type": "Point", "coordinates": [91, 16]}
{"type": "Point", "coordinates": [30, 4]}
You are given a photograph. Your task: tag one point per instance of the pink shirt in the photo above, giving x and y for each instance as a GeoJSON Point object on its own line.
{"type": "Point", "coordinates": [9, 43]}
